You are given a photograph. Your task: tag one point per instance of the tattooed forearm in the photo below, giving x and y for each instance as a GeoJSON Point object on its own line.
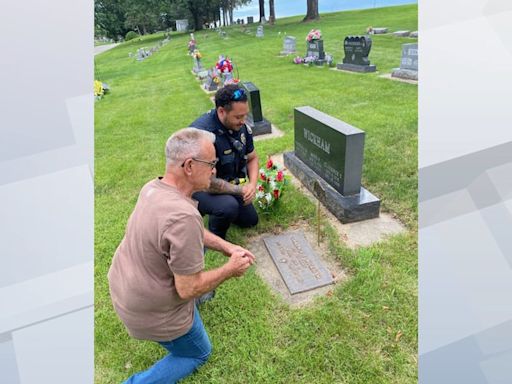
{"type": "Point", "coordinates": [219, 186]}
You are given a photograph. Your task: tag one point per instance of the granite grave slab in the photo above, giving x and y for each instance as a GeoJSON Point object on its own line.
{"type": "Point", "coordinates": [298, 264]}
{"type": "Point", "coordinates": [289, 45]}
{"type": "Point", "coordinates": [255, 120]}
{"type": "Point", "coordinates": [328, 160]}
{"type": "Point", "coordinates": [315, 48]}
{"type": "Point", "coordinates": [357, 49]}
{"type": "Point", "coordinates": [408, 64]}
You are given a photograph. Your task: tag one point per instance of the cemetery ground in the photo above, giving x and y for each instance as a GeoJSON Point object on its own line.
{"type": "Point", "coordinates": [364, 330]}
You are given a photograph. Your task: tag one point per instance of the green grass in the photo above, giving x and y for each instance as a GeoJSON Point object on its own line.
{"type": "Point", "coordinates": [348, 337]}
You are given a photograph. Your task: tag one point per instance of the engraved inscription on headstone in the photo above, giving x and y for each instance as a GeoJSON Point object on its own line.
{"type": "Point", "coordinates": [289, 45]}
{"type": "Point", "coordinates": [409, 63]}
{"type": "Point", "coordinates": [357, 49]}
{"type": "Point", "coordinates": [315, 48]}
{"type": "Point", "coordinates": [329, 152]}
{"type": "Point", "coordinates": [297, 262]}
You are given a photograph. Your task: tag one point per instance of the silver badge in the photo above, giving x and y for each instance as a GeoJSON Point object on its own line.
{"type": "Point", "coordinates": [242, 138]}
{"type": "Point", "coordinates": [249, 129]}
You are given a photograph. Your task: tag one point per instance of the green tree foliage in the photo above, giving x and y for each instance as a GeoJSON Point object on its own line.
{"type": "Point", "coordinates": [114, 18]}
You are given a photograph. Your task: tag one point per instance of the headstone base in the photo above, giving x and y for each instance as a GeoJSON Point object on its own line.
{"type": "Point", "coordinates": [260, 127]}
{"type": "Point", "coordinates": [320, 62]}
{"type": "Point", "coordinates": [347, 209]}
{"type": "Point", "coordinates": [356, 68]}
{"type": "Point", "coordinates": [286, 53]}
{"type": "Point", "coordinates": [407, 74]}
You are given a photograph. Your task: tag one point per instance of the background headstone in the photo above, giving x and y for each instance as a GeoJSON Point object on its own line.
{"type": "Point", "coordinates": [357, 49]}
{"type": "Point", "coordinates": [379, 31]}
{"type": "Point", "coordinates": [182, 25]}
{"type": "Point", "coordinates": [315, 48]}
{"type": "Point", "coordinates": [255, 120]}
{"type": "Point", "coordinates": [250, 19]}
{"type": "Point", "coordinates": [409, 63]}
{"type": "Point", "coordinates": [259, 31]}
{"type": "Point", "coordinates": [329, 152]}
{"type": "Point", "coordinates": [402, 33]}
{"type": "Point", "coordinates": [289, 45]}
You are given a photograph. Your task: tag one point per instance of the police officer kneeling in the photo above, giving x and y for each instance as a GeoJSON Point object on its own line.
{"type": "Point", "coordinates": [232, 190]}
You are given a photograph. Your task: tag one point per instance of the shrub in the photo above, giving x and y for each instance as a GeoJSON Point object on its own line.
{"type": "Point", "coordinates": [131, 35]}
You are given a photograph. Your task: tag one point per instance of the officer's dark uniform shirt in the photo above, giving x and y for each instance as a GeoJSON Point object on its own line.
{"type": "Point", "coordinates": [232, 161]}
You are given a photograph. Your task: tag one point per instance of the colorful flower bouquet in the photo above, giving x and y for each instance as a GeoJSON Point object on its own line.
{"type": "Point", "coordinates": [271, 182]}
{"type": "Point", "coordinates": [224, 65]}
{"type": "Point", "coordinates": [314, 34]}
{"type": "Point", "coordinates": [100, 89]}
{"type": "Point", "coordinates": [196, 54]}
{"type": "Point", "coordinates": [298, 60]}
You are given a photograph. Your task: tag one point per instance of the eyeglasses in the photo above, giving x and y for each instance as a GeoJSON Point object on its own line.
{"type": "Point", "coordinates": [212, 164]}
{"type": "Point", "coordinates": [237, 95]}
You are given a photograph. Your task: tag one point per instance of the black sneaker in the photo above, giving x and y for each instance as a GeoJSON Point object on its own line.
{"type": "Point", "coordinates": [206, 297]}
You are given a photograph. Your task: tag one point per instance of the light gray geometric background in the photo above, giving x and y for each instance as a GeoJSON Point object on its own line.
{"type": "Point", "coordinates": [46, 192]}
{"type": "Point", "coordinates": [465, 192]}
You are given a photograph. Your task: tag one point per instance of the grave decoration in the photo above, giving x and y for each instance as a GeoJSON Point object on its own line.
{"type": "Point", "coordinates": [100, 89]}
{"type": "Point", "coordinates": [357, 49]}
{"type": "Point", "coordinates": [328, 160]}
{"type": "Point", "coordinates": [271, 183]}
{"type": "Point", "coordinates": [225, 68]}
{"type": "Point", "coordinates": [198, 67]}
{"type": "Point", "coordinates": [314, 49]}
{"type": "Point", "coordinates": [192, 46]}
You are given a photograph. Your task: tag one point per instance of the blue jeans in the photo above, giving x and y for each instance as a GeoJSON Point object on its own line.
{"type": "Point", "coordinates": [186, 354]}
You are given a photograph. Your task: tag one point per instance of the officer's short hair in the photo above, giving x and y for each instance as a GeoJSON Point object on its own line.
{"type": "Point", "coordinates": [184, 144]}
{"type": "Point", "coordinates": [229, 94]}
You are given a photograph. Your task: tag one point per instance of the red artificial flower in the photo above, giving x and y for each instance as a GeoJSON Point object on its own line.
{"type": "Point", "coordinates": [260, 188]}
{"type": "Point", "coordinates": [276, 193]}
{"type": "Point", "coordinates": [263, 177]}
{"type": "Point", "coordinates": [279, 176]}
{"type": "Point", "coordinates": [269, 163]}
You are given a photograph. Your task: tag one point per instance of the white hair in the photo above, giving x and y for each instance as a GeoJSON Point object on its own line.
{"type": "Point", "coordinates": [185, 143]}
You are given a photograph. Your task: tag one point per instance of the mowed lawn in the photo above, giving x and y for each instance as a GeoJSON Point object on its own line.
{"type": "Point", "coordinates": [366, 330]}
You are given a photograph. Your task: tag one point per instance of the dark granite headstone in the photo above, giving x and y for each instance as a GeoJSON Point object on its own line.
{"type": "Point", "coordinates": [255, 120]}
{"type": "Point", "coordinates": [357, 49]}
{"type": "Point", "coordinates": [409, 63]}
{"type": "Point", "coordinates": [210, 85]}
{"type": "Point", "coordinates": [297, 263]}
{"type": "Point", "coordinates": [329, 152]}
{"type": "Point", "coordinates": [315, 48]}
{"type": "Point", "coordinates": [250, 19]}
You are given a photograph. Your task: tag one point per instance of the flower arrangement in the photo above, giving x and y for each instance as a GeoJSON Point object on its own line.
{"type": "Point", "coordinates": [224, 65]}
{"type": "Point", "coordinates": [191, 43]}
{"type": "Point", "coordinates": [98, 89]}
{"type": "Point", "coordinates": [298, 60]}
{"type": "Point", "coordinates": [196, 54]}
{"type": "Point", "coordinates": [271, 182]}
{"type": "Point", "coordinates": [310, 60]}
{"type": "Point", "coordinates": [314, 34]}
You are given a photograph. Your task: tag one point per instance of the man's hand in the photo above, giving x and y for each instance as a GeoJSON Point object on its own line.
{"type": "Point", "coordinates": [238, 263]}
{"type": "Point", "coordinates": [248, 193]}
{"type": "Point", "coordinates": [236, 248]}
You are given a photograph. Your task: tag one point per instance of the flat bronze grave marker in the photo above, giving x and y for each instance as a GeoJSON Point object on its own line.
{"type": "Point", "coordinates": [297, 263]}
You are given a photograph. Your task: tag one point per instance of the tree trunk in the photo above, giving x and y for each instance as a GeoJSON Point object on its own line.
{"type": "Point", "coordinates": [312, 12]}
{"type": "Point", "coordinates": [272, 16]}
{"type": "Point", "coordinates": [262, 9]}
{"type": "Point", "coordinates": [230, 15]}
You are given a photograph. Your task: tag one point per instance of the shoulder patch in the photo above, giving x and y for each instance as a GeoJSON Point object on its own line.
{"type": "Point", "coordinates": [249, 129]}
